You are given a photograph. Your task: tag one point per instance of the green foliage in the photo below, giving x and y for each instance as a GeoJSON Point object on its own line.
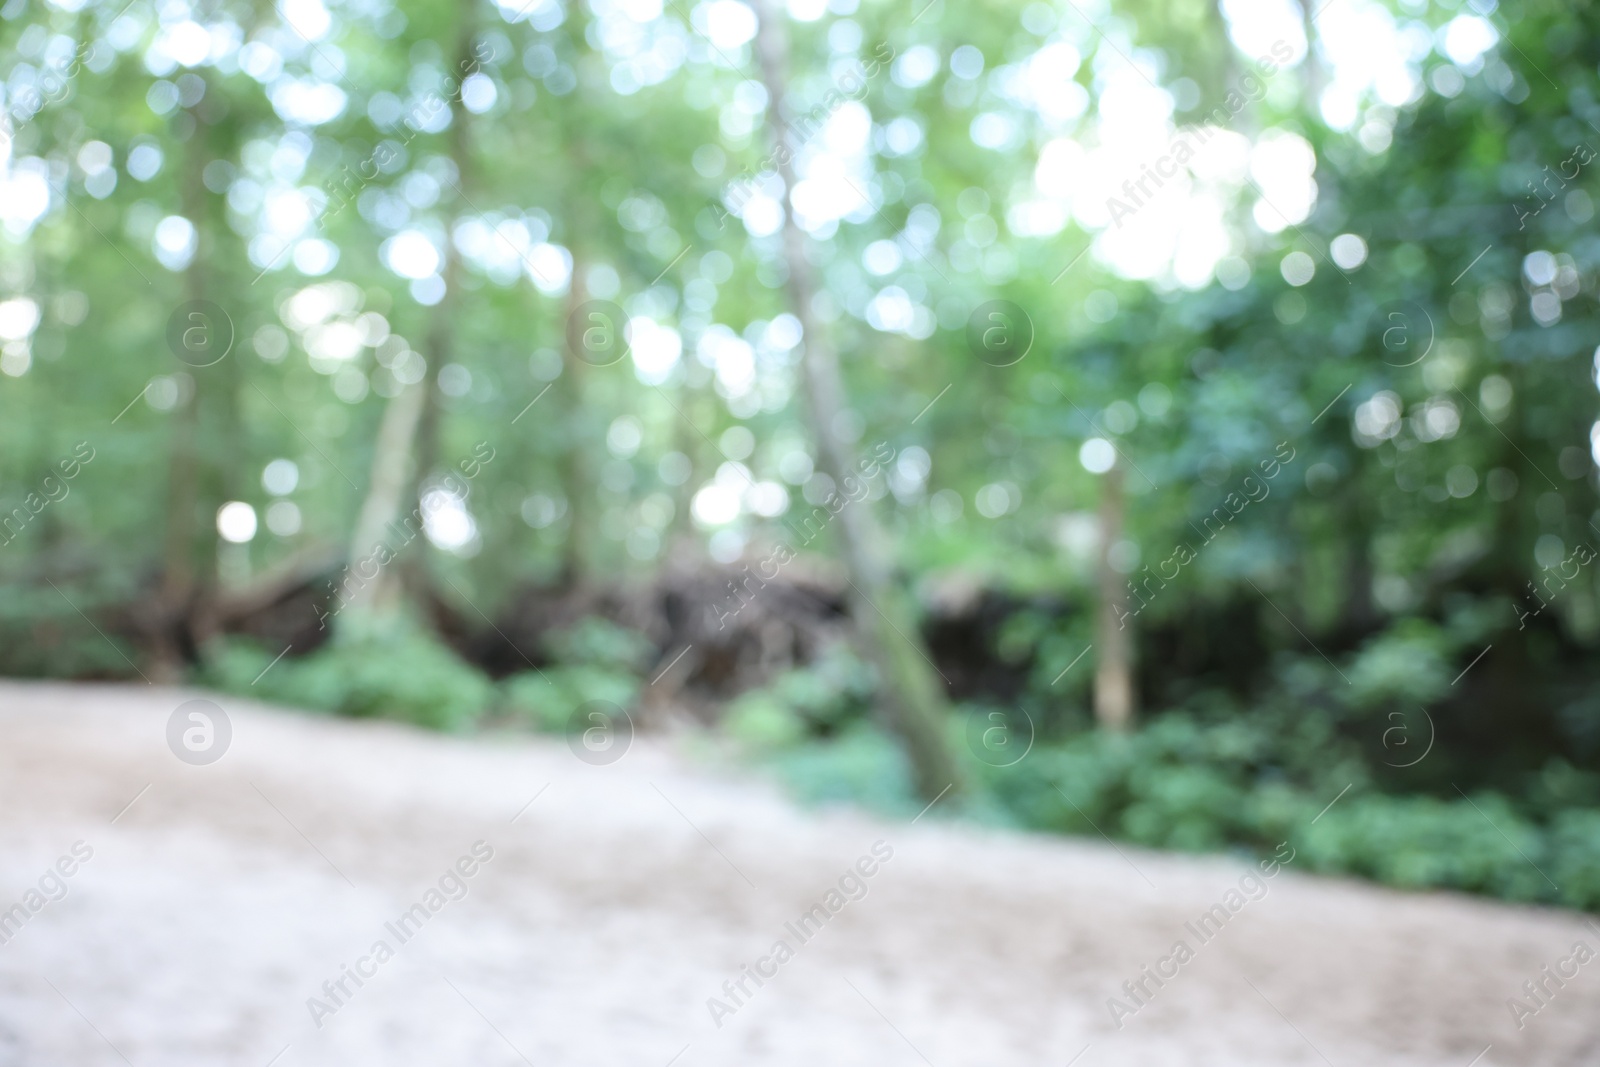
{"type": "Point", "coordinates": [862, 765]}
{"type": "Point", "coordinates": [1184, 784]}
{"type": "Point", "coordinates": [763, 722]}
{"type": "Point", "coordinates": [399, 673]}
{"type": "Point", "coordinates": [548, 698]}
{"type": "Point", "coordinates": [598, 642]}
{"type": "Point", "coordinates": [1421, 842]}
{"type": "Point", "coordinates": [1203, 783]}
{"type": "Point", "coordinates": [1178, 783]}
{"type": "Point", "coordinates": [814, 701]}
{"type": "Point", "coordinates": [43, 634]}
{"type": "Point", "coordinates": [1573, 852]}
{"type": "Point", "coordinates": [1360, 583]}
{"type": "Point", "coordinates": [1408, 664]}
{"type": "Point", "coordinates": [595, 660]}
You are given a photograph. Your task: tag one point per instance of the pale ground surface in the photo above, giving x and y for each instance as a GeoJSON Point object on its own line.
{"type": "Point", "coordinates": [205, 920]}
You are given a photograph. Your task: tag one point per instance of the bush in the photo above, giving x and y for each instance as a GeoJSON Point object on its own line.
{"type": "Point", "coordinates": [42, 634]}
{"type": "Point", "coordinates": [1408, 664]}
{"type": "Point", "coordinates": [548, 698]}
{"type": "Point", "coordinates": [596, 660]}
{"type": "Point", "coordinates": [1188, 784]}
{"type": "Point", "coordinates": [598, 642]}
{"type": "Point", "coordinates": [764, 722]}
{"type": "Point", "coordinates": [863, 765]}
{"type": "Point", "coordinates": [1425, 843]}
{"type": "Point", "coordinates": [1574, 854]}
{"type": "Point", "coordinates": [1180, 782]}
{"type": "Point", "coordinates": [820, 700]}
{"type": "Point", "coordinates": [397, 672]}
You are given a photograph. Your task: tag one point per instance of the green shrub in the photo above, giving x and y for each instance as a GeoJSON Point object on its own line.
{"type": "Point", "coordinates": [818, 700]}
{"type": "Point", "coordinates": [1179, 782]}
{"type": "Point", "coordinates": [763, 722]}
{"type": "Point", "coordinates": [396, 672]}
{"type": "Point", "coordinates": [596, 660]}
{"type": "Point", "coordinates": [1424, 843]}
{"type": "Point", "coordinates": [43, 634]}
{"type": "Point", "coordinates": [1185, 783]}
{"type": "Point", "coordinates": [597, 642]}
{"type": "Point", "coordinates": [1409, 664]}
{"type": "Point", "coordinates": [548, 698]}
{"type": "Point", "coordinates": [862, 765]}
{"type": "Point", "coordinates": [1574, 853]}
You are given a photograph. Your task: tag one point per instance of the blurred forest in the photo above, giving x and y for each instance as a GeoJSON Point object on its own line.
{"type": "Point", "coordinates": [1162, 419]}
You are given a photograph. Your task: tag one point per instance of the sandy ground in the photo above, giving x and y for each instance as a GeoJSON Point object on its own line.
{"type": "Point", "coordinates": [624, 896]}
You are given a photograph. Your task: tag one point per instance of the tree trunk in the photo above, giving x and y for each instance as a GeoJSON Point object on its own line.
{"type": "Point", "coordinates": [439, 340]}
{"type": "Point", "coordinates": [386, 493]}
{"type": "Point", "coordinates": [178, 545]}
{"type": "Point", "coordinates": [911, 691]}
{"type": "Point", "coordinates": [195, 459]}
{"type": "Point", "coordinates": [578, 476]}
{"type": "Point", "coordinates": [1113, 676]}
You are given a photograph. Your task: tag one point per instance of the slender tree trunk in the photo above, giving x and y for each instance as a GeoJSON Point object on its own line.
{"type": "Point", "coordinates": [911, 689]}
{"type": "Point", "coordinates": [386, 494]}
{"type": "Point", "coordinates": [439, 344]}
{"type": "Point", "coordinates": [1113, 677]}
{"type": "Point", "coordinates": [195, 459]}
{"type": "Point", "coordinates": [583, 433]}
{"type": "Point", "coordinates": [178, 544]}
{"type": "Point", "coordinates": [578, 478]}
{"type": "Point", "coordinates": [1313, 74]}
{"type": "Point", "coordinates": [1357, 613]}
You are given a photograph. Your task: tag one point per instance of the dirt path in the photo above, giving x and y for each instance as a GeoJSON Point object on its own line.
{"type": "Point", "coordinates": [624, 896]}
